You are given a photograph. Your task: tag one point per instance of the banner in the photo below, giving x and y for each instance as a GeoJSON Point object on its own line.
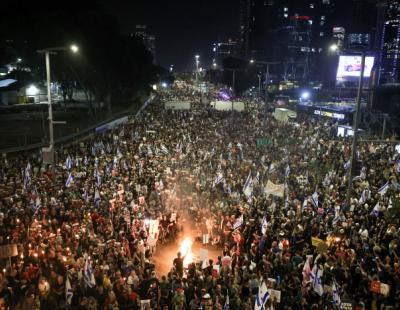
{"type": "Point", "coordinates": [275, 189]}
{"type": "Point", "coordinates": [8, 250]}
{"type": "Point", "coordinates": [263, 141]}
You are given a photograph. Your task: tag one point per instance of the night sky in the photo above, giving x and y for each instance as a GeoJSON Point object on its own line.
{"type": "Point", "coordinates": [182, 27]}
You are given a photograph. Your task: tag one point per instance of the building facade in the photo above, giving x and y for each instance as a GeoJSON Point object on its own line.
{"type": "Point", "coordinates": [390, 43]}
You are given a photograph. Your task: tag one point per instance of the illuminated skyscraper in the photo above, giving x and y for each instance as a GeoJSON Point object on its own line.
{"type": "Point", "coordinates": [390, 42]}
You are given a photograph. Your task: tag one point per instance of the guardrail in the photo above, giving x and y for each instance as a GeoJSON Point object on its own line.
{"type": "Point", "coordinates": [82, 134]}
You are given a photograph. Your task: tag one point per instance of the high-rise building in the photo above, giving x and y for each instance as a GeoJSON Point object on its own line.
{"type": "Point", "coordinates": [149, 40]}
{"type": "Point", "coordinates": [296, 33]}
{"type": "Point", "coordinates": [223, 50]}
{"type": "Point", "coordinates": [390, 42]}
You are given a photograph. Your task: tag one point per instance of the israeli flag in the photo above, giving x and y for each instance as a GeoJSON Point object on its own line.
{"type": "Point", "coordinates": [68, 291]}
{"type": "Point", "coordinates": [316, 276]}
{"type": "Point", "coordinates": [262, 296]}
{"type": "Point", "coordinates": [365, 195]}
{"type": "Point", "coordinates": [314, 199]}
{"type": "Point", "coordinates": [238, 222]}
{"type": "Point", "coordinates": [383, 190]}
{"type": "Point", "coordinates": [287, 171]}
{"type": "Point", "coordinates": [218, 179]}
{"type": "Point", "coordinates": [37, 205]}
{"type": "Point", "coordinates": [248, 186]}
{"type": "Point", "coordinates": [226, 306]}
{"type": "Point", "coordinates": [264, 225]}
{"type": "Point", "coordinates": [69, 180]}
{"type": "Point", "coordinates": [336, 295]}
{"type": "Point", "coordinates": [347, 165]}
{"type": "Point", "coordinates": [96, 197]}
{"type": "Point", "coordinates": [86, 196]}
{"type": "Point", "coordinates": [68, 162]}
{"type": "Point", "coordinates": [27, 176]}
{"type": "Point", "coordinates": [376, 209]}
{"type": "Point", "coordinates": [164, 149]}
{"type": "Point", "coordinates": [305, 203]}
{"type": "Point", "coordinates": [398, 166]}
{"type": "Point", "coordinates": [88, 274]}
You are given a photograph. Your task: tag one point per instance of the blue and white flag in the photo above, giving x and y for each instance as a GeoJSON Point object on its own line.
{"type": "Point", "coordinates": [248, 186]}
{"type": "Point", "coordinates": [68, 162]}
{"type": "Point", "coordinates": [27, 175]}
{"type": "Point", "coordinates": [69, 180]}
{"type": "Point", "coordinates": [287, 171]}
{"type": "Point", "coordinates": [314, 199]}
{"type": "Point", "coordinates": [226, 306]}
{"type": "Point", "coordinates": [316, 276]}
{"type": "Point", "coordinates": [365, 195]}
{"type": "Point", "coordinates": [96, 197]}
{"type": "Point", "coordinates": [88, 274]}
{"type": "Point", "coordinates": [164, 149]}
{"type": "Point", "coordinates": [262, 296]}
{"type": "Point", "coordinates": [397, 166]}
{"type": "Point", "coordinates": [376, 209]}
{"type": "Point", "coordinates": [336, 295]}
{"type": "Point", "coordinates": [218, 179]}
{"type": "Point", "coordinates": [238, 222]}
{"type": "Point", "coordinates": [383, 190]}
{"type": "Point", "coordinates": [347, 164]}
{"type": "Point", "coordinates": [264, 225]}
{"type": "Point", "coordinates": [305, 204]}
{"type": "Point", "coordinates": [68, 291]}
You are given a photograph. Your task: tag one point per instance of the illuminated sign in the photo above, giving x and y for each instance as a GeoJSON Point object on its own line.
{"type": "Point", "coordinates": [329, 114]}
{"type": "Point", "coordinates": [350, 67]}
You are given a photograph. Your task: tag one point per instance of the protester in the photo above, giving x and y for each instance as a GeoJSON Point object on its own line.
{"type": "Point", "coordinates": [86, 236]}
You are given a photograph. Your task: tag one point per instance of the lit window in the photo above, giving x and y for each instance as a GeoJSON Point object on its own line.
{"type": "Point", "coordinates": [321, 34]}
{"type": "Point", "coordinates": [285, 15]}
{"type": "Point", "coordinates": [311, 5]}
{"type": "Point", "coordinates": [285, 9]}
{"type": "Point", "coordinates": [322, 17]}
{"type": "Point", "coordinates": [310, 21]}
{"type": "Point", "coordinates": [322, 23]}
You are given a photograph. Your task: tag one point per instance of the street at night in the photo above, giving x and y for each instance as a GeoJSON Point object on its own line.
{"type": "Point", "coordinates": [215, 155]}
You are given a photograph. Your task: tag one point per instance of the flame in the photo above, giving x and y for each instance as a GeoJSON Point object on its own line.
{"type": "Point", "coordinates": [186, 251]}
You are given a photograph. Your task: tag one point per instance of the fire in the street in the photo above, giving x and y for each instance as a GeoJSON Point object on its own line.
{"type": "Point", "coordinates": [186, 251]}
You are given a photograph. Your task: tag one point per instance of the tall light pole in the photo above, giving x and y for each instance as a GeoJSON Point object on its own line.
{"type": "Point", "coordinates": [197, 68]}
{"type": "Point", "coordinates": [47, 52]}
{"type": "Point", "coordinates": [355, 128]}
{"type": "Point", "coordinates": [267, 63]}
{"type": "Point", "coordinates": [259, 85]}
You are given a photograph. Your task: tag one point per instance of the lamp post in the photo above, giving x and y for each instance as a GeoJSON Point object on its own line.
{"type": "Point", "coordinates": [267, 63]}
{"type": "Point", "coordinates": [355, 128]}
{"type": "Point", "coordinates": [197, 68]}
{"type": "Point", "coordinates": [48, 52]}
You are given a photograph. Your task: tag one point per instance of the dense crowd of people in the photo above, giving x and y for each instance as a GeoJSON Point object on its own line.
{"type": "Point", "coordinates": [270, 196]}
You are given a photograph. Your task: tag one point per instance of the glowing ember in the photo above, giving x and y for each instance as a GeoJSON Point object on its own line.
{"type": "Point", "coordinates": [186, 251]}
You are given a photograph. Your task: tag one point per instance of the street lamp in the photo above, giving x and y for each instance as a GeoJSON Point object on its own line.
{"type": "Point", "coordinates": [334, 47]}
{"type": "Point", "coordinates": [53, 51]}
{"type": "Point", "coordinates": [355, 127]}
{"type": "Point", "coordinates": [197, 68]}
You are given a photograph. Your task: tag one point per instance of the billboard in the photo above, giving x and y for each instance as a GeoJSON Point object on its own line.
{"type": "Point", "coordinates": [349, 68]}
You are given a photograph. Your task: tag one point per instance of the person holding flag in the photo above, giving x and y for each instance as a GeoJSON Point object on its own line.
{"type": "Point", "coordinates": [262, 296]}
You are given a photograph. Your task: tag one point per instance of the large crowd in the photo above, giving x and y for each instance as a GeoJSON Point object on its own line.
{"type": "Point", "coordinates": [84, 237]}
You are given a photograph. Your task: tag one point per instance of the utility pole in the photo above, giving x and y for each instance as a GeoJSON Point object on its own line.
{"type": "Point", "coordinates": [48, 52]}
{"type": "Point", "coordinates": [355, 129]}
